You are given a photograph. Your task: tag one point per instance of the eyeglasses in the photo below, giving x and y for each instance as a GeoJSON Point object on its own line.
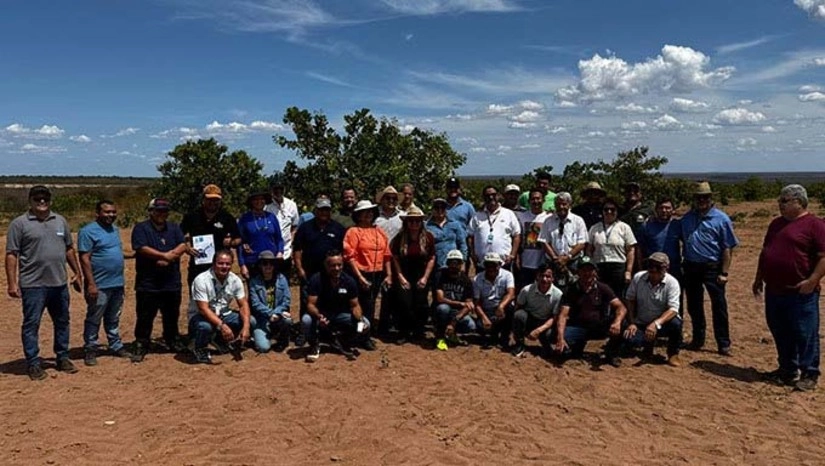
{"type": "Point", "coordinates": [39, 199]}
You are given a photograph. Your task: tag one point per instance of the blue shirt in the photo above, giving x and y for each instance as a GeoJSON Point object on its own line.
{"type": "Point", "coordinates": [263, 305]}
{"type": "Point", "coordinates": [462, 212]}
{"type": "Point", "coordinates": [656, 236]}
{"type": "Point", "coordinates": [704, 237]}
{"type": "Point", "coordinates": [314, 243]}
{"type": "Point", "coordinates": [448, 237]}
{"type": "Point", "coordinates": [262, 233]}
{"type": "Point", "coordinates": [105, 250]}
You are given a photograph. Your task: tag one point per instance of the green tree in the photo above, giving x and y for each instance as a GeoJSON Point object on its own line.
{"type": "Point", "coordinates": [370, 154]}
{"type": "Point", "coordinates": [194, 164]}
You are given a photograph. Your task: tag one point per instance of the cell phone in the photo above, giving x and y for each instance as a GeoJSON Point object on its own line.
{"type": "Point", "coordinates": [359, 327]}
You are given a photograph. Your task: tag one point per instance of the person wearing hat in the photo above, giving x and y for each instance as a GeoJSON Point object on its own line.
{"type": "Point", "coordinates": [38, 247]}
{"type": "Point", "coordinates": [367, 252]}
{"type": "Point", "coordinates": [531, 255]}
{"type": "Point", "coordinates": [494, 290]}
{"type": "Point", "coordinates": [494, 229]}
{"type": "Point", "coordinates": [389, 217]}
{"type": "Point", "coordinates": [286, 211]}
{"type": "Point", "coordinates": [269, 301]}
{"type": "Point", "coordinates": [448, 235]}
{"type": "Point", "coordinates": [707, 240]}
{"type": "Point", "coordinates": [537, 306]}
{"type": "Point", "coordinates": [458, 208]}
{"type": "Point", "coordinates": [653, 300]}
{"type": "Point", "coordinates": [211, 219]}
{"type": "Point", "coordinates": [260, 230]}
{"type": "Point", "coordinates": [158, 244]}
{"type": "Point", "coordinates": [413, 260]}
{"type": "Point", "coordinates": [312, 242]}
{"type": "Point", "coordinates": [454, 304]}
{"type": "Point", "coordinates": [510, 201]}
{"type": "Point", "coordinates": [591, 209]}
{"type": "Point", "coordinates": [589, 310]}
{"type": "Point", "coordinates": [543, 180]}
{"type": "Point", "coordinates": [564, 237]}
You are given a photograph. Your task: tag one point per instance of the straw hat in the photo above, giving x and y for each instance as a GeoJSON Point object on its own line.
{"type": "Point", "coordinates": [412, 212]}
{"type": "Point", "coordinates": [593, 186]}
{"type": "Point", "coordinates": [702, 188]}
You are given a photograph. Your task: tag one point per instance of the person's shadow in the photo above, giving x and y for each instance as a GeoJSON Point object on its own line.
{"type": "Point", "coordinates": [729, 371]}
{"type": "Point", "coordinates": [20, 367]}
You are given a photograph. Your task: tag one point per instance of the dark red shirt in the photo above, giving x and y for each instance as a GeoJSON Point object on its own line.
{"type": "Point", "coordinates": [790, 252]}
{"type": "Point", "coordinates": [589, 308]}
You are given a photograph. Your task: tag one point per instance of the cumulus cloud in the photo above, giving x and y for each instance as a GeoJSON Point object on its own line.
{"type": "Point", "coordinates": [531, 105]}
{"type": "Point", "coordinates": [459, 116]}
{"type": "Point", "coordinates": [530, 146]}
{"type": "Point", "coordinates": [814, 8]}
{"type": "Point", "coordinates": [635, 108]}
{"type": "Point", "coordinates": [526, 116]}
{"type": "Point", "coordinates": [812, 97]}
{"type": "Point", "coordinates": [521, 125]}
{"type": "Point", "coordinates": [259, 125]}
{"type": "Point", "coordinates": [768, 129]}
{"type": "Point", "coordinates": [688, 106]}
{"type": "Point", "coordinates": [667, 123]}
{"type": "Point", "coordinates": [231, 130]}
{"type": "Point", "coordinates": [566, 104]}
{"type": "Point", "coordinates": [123, 132]}
{"type": "Point", "coordinates": [809, 88]}
{"type": "Point", "coordinates": [819, 61]}
{"type": "Point", "coordinates": [676, 69]}
{"type": "Point", "coordinates": [44, 132]}
{"type": "Point", "coordinates": [738, 116]}
{"type": "Point", "coordinates": [497, 109]}
{"type": "Point", "coordinates": [80, 138]}
{"type": "Point", "coordinates": [556, 129]}
{"type": "Point", "coordinates": [746, 142]}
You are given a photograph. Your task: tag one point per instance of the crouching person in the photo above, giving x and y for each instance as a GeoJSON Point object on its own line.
{"type": "Point", "coordinates": [494, 290]}
{"type": "Point", "coordinates": [653, 299]}
{"type": "Point", "coordinates": [333, 310]}
{"type": "Point", "coordinates": [454, 303]}
{"type": "Point", "coordinates": [209, 312]}
{"type": "Point", "coordinates": [537, 305]}
{"type": "Point", "coordinates": [269, 299]}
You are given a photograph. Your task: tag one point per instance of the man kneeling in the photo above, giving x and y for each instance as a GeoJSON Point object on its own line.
{"type": "Point", "coordinates": [333, 309]}
{"type": "Point", "coordinates": [209, 311]}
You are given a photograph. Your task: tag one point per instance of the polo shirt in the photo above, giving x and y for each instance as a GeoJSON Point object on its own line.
{"type": "Point", "coordinates": [589, 308]}
{"type": "Point", "coordinates": [458, 288]}
{"type": "Point", "coordinates": [574, 233]}
{"type": "Point", "coordinates": [610, 243]}
{"type": "Point", "coordinates": [657, 236]}
{"type": "Point", "coordinates": [333, 300]}
{"type": "Point", "coordinates": [549, 204]}
{"type": "Point", "coordinates": [539, 305]}
{"type": "Point", "coordinates": [391, 224]}
{"type": "Point", "coordinates": [449, 236]}
{"type": "Point", "coordinates": [314, 242]}
{"type": "Point", "coordinates": [196, 224]}
{"type": "Point", "coordinates": [40, 248]}
{"type": "Point", "coordinates": [652, 300]}
{"type": "Point", "coordinates": [704, 237]}
{"type": "Point", "coordinates": [288, 218]}
{"type": "Point", "coordinates": [149, 276]}
{"type": "Point", "coordinates": [790, 252]}
{"type": "Point", "coordinates": [462, 212]}
{"type": "Point", "coordinates": [105, 250]}
{"type": "Point", "coordinates": [494, 232]}
{"type": "Point", "coordinates": [532, 251]}
{"type": "Point", "coordinates": [490, 293]}
{"type": "Point", "coordinates": [207, 288]}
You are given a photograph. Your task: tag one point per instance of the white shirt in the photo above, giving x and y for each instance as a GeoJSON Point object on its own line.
{"type": "Point", "coordinates": [288, 218]}
{"type": "Point", "coordinates": [653, 300]}
{"type": "Point", "coordinates": [532, 251]}
{"type": "Point", "coordinates": [575, 233]}
{"type": "Point", "coordinates": [494, 232]}
{"type": "Point", "coordinates": [207, 288]}
{"type": "Point", "coordinates": [491, 293]}
{"type": "Point", "coordinates": [610, 245]}
{"type": "Point", "coordinates": [391, 224]}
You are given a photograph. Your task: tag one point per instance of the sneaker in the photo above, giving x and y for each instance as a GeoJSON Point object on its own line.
{"type": "Point", "coordinates": [280, 346]}
{"type": "Point", "coordinates": [314, 353]}
{"type": "Point", "coordinates": [806, 384]}
{"type": "Point", "coordinates": [725, 351]}
{"type": "Point", "coordinates": [441, 345]}
{"type": "Point", "coordinates": [614, 361]}
{"type": "Point", "coordinates": [122, 353]}
{"type": "Point", "coordinates": [780, 377]}
{"type": "Point", "coordinates": [694, 345]}
{"type": "Point", "coordinates": [202, 356]}
{"type": "Point", "coordinates": [176, 345]}
{"type": "Point", "coordinates": [90, 358]}
{"type": "Point", "coordinates": [518, 350]}
{"type": "Point", "coordinates": [455, 340]}
{"type": "Point", "coordinates": [674, 360]}
{"type": "Point", "coordinates": [64, 365]}
{"type": "Point", "coordinates": [139, 351]}
{"type": "Point", "coordinates": [36, 372]}
{"type": "Point", "coordinates": [369, 344]}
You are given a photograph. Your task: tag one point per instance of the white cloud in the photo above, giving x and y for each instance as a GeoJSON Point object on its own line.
{"type": "Point", "coordinates": [30, 148]}
{"type": "Point", "coordinates": [469, 140]}
{"type": "Point", "coordinates": [259, 125]}
{"type": "Point", "coordinates": [433, 7]}
{"type": "Point", "coordinates": [738, 116]}
{"type": "Point", "coordinates": [478, 149]}
{"type": "Point", "coordinates": [814, 8]}
{"type": "Point", "coordinates": [594, 134]}
{"type": "Point", "coordinates": [497, 109]}
{"type": "Point", "coordinates": [812, 97]}
{"type": "Point", "coordinates": [459, 116]}
{"type": "Point", "coordinates": [556, 129]}
{"type": "Point", "coordinates": [409, 37]}
{"type": "Point", "coordinates": [793, 62]}
{"type": "Point", "coordinates": [738, 46]}
{"type": "Point", "coordinates": [44, 132]}
{"type": "Point", "coordinates": [521, 125]}
{"type": "Point", "coordinates": [667, 123]}
{"type": "Point", "coordinates": [80, 138]}
{"type": "Point", "coordinates": [634, 125]}
{"type": "Point", "coordinates": [688, 106]}
{"type": "Point", "coordinates": [746, 142]}
{"type": "Point", "coordinates": [231, 130]}
{"type": "Point", "coordinates": [531, 105]}
{"type": "Point", "coordinates": [328, 79]}
{"type": "Point", "coordinates": [526, 116]}
{"type": "Point", "coordinates": [566, 104]}
{"type": "Point", "coordinates": [503, 148]}
{"type": "Point", "coordinates": [635, 108]}
{"type": "Point", "coordinates": [819, 61]}
{"type": "Point", "coordinates": [809, 88]}
{"type": "Point", "coordinates": [530, 146]}
{"type": "Point", "coordinates": [768, 129]}
{"type": "Point", "coordinates": [123, 132]}
{"type": "Point", "coordinates": [677, 69]}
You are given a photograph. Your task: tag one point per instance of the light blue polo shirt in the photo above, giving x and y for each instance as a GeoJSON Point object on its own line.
{"type": "Point", "coordinates": [106, 253]}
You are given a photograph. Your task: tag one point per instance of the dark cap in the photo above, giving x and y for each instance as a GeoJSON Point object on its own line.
{"type": "Point", "coordinates": [453, 182]}
{"type": "Point", "coordinates": [585, 261]}
{"type": "Point", "coordinates": [159, 204]}
{"type": "Point", "coordinates": [39, 190]}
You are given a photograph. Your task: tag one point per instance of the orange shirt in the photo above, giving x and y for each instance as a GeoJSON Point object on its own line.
{"type": "Point", "coordinates": [369, 248]}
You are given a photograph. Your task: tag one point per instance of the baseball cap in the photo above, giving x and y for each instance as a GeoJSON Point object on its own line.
{"type": "Point", "coordinates": [439, 200]}
{"type": "Point", "coordinates": [455, 254]}
{"type": "Point", "coordinates": [41, 191]}
{"type": "Point", "coordinates": [512, 187]}
{"type": "Point", "coordinates": [323, 203]}
{"type": "Point", "coordinates": [493, 257]}
{"type": "Point", "coordinates": [660, 258]}
{"type": "Point", "coordinates": [159, 204]}
{"type": "Point", "coordinates": [452, 182]}
{"type": "Point", "coordinates": [212, 191]}
{"type": "Point", "coordinates": [585, 261]}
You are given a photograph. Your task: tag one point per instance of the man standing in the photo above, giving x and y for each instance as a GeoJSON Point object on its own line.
{"type": "Point", "coordinates": [458, 208]}
{"type": "Point", "coordinates": [653, 299]}
{"type": "Point", "coordinates": [158, 245]}
{"type": "Point", "coordinates": [101, 257]}
{"type": "Point", "coordinates": [591, 209]}
{"type": "Point", "coordinates": [38, 246]}
{"type": "Point", "coordinates": [532, 250]}
{"type": "Point", "coordinates": [348, 199]}
{"type": "Point", "coordinates": [537, 306]}
{"type": "Point", "coordinates": [209, 310]}
{"type": "Point", "coordinates": [493, 293]}
{"type": "Point", "coordinates": [661, 233]}
{"type": "Point", "coordinates": [791, 264]}
{"type": "Point", "coordinates": [707, 241]}
{"type": "Point", "coordinates": [389, 217]}
{"type": "Point", "coordinates": [407, 198]}
{"type": "Point", "coordinates": [494, 229]}
{"type": "Point", "coordinates": [543, 181]}
{"type": "Point", "coordinates": [211, 219]}
{"type": "Point", "coordinates": [511, 196]}
{"type": "Point", "coordinates": [286, 211]}
{"type": "Point", "coordinates": [634, 211]}
{"type": "Point", "coordinates": [564, 236]}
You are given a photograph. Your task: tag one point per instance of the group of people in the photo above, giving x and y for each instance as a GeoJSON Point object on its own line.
{"type": "Point", "coordinates": [543, 270]}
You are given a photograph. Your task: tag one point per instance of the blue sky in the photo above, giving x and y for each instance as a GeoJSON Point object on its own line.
{"type": "Point", "coordinates": [107, 88]}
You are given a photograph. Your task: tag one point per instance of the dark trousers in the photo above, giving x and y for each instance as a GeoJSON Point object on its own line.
{"type": "Point", "coordinates": [524, 323]}
{"type": "Point", "coordinates": [672, 330]}
{"type": "Point", "coordinates": [612, 275]}
{"type": "Point", "coordinates": [411, 310]}
{"type": "Point", "coordinates": [524, 277]}
{"type": "Point", "coordinates": [577, 338]}
{"type": "Point", "coordinates": [794, 323]}
{"type": "Point", "coordinates": [697, 278]}
{"type": "Point", "coordinates": [368, 296]}
{"type": "Point", "coordinates": [148, 305]}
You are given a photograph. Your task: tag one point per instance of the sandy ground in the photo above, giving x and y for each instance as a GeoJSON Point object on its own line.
{"type": "Point", "coordinates": [408, 405]}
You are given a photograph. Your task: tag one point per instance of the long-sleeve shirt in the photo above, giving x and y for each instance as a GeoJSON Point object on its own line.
{"type": "Point", "coordinates": [261, 232]}
{"type": "Point", "coordinates": [369, 248]}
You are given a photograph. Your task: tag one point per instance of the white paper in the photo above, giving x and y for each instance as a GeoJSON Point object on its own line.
{"type": "Point", "coordinates": [205, 246]}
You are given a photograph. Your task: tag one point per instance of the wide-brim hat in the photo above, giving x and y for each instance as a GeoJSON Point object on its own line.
{"type": "Point", "coordinates": [412, 212]}
{"type": "Point", "coordinates": [259, 193]}
{"type": "Point", "coordinates": [364, 205]}
{"type": "Point", "coordinates": [593, 186]}
{"type": "Point", "coordinates": [702, 188]}
{"type": "Point", "coordinates": [384, 192]}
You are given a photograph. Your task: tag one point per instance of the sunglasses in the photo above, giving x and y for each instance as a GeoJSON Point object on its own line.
{"type": "Point", "coordinates": [39, 199]}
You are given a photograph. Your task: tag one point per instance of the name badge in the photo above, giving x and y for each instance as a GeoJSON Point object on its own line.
{"type": "Point", "coordinates": [342, 291]}
{"type": "Point", "coordinates": [490, 238]}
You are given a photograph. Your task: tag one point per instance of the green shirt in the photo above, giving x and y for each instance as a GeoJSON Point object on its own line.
{"type": "Point", "coordinates": [549, 201]}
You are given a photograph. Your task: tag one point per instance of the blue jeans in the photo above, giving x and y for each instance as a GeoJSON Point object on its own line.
{"type": "Point", "coordinates": [697, 278]}
{"type": "Point", "coordinates": [342, 323]}
{"type": "Point", "coordinates": [444, 314]}
{"type": "Point", "coordinates": [672, 329]}
{"type": "Point", "coordinates": [203, 330]}
{"type": "Point", "coordinates": [55, 299]}
{"type": "Point", "coordinates": [577, 338]}
{"type": "Point", "coordinates": [263, 328]}
{"type": "Point", "coordinates": [793, 320]}
{"type": "Point", "coordinates": [107, 307]}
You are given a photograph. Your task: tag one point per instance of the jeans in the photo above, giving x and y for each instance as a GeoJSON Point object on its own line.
{"type": "Point", "coordinates": [444, 314]}
{"type": "Point", "coordinates": [148, 305]}
{"type": "Point", "coordinates": [672, 329]}
{"type": "Point", "coordinates": [342, 323]}
{"type": "Point", "coordinates": [55, 299]}
{"type": "Point", "coordinates": [263, 328]}
{"type": "Point", "coordinates": [793, 320]}
{"type": "Point", "coordinates": [367, 297]}
{"type": "Point", "coordinates": [107, 307]}
{"type": "Point", "coordinates": [500, 328]}
{"type": "Point", "coordinates": [577, 338]}
{"type": "Point", "coordinates": [203, 330]}
{"type": "Point", "coordinates": [524, 323]}
{"type": "Point", "coordinates": [696, 276]}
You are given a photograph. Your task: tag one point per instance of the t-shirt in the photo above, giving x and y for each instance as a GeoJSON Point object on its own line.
{"type": "Point", "coordinates": [588, 308]}
{"type": "Point", "coordinates": [549, 204]}
{"type": "Point", "coordinates": [314, 242]}
{"type": "Point", "coordinates": [221, 225]}
{"type": "Point", "coordinates": [40, 248]}
{"type": "Point", "coordinates": [790, 252]}
{"type": "Point", "coordinates": [288, 218]}
{"type": "Point", "coordinates": [532, 250]}
{"type": "Point", "coordinates": [105, 250]}
{"type": "Point", "coordinates": [539, 305]}
{"type": "Point", "coordinates": [652, 300]}
{"type": "Point", "coordinates": [149, 276]}
{"type": "Point", "coordinates": [494, 232]}
{"type": "Point", "coordinates": [610, 243]}
{"type": "Point", "coordinates": [458, 288]}
{"type": "Point", "coordinates": [489, 293]}
{"type": "Point", "coordinates": [207, 288]}
{"type": "Point", "coordinates": [333, 299]}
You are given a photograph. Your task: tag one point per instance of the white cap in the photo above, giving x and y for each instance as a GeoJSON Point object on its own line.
{"type": "Point", "coordinates": [512, 187]}
{"type": "Point", "coordinates": [493, 257]}
{"type": "Point", "coordinates": [455, 254]}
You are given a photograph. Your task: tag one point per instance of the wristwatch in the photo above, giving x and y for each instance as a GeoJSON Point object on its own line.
{"type": "Point", "coordinates": [723, 274]}
{"type": "Point", "coordinates": [658, 325]}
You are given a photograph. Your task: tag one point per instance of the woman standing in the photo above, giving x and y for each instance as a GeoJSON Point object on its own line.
{"type": "Point", "coordinates": [367, 251]}
{"type": "Point", "coordinates": [260, 231]}
{"type": "Point", "coordinates": [610, 246]}
{"type": "Point", "coordinates": [413, 260]}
